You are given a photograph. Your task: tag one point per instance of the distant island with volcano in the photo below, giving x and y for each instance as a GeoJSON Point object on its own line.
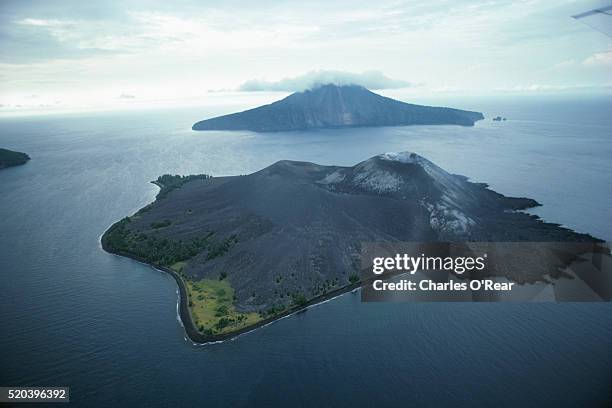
{"type": "Point", "coordinates": [9, 158]}
{"type": "Point", "coordinates": [337, 106]}
{"type": "Point", "coordinates": [247, 250]}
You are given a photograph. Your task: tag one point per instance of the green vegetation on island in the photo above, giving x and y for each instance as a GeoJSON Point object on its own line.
{"type": "Point", "coordinates": [162, 251]}
{"type": "Point", "coordinates": [211, 303]}
{"type": "Point", "coordinates": [169, 182]}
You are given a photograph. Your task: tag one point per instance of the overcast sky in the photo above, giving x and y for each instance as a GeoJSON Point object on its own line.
{"type": "Point", "coordinates": [87, 54]}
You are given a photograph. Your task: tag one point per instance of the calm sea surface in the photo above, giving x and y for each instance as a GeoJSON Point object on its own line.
{"type": "Point", "coordinates": [73, 315]}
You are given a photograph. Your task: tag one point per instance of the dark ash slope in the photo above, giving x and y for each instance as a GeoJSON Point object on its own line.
{"type": "Point", "coordinates": [332, 106]}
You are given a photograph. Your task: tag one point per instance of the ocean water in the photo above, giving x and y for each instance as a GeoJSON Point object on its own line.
{"type": "Point", "coordinates": [73, 315]}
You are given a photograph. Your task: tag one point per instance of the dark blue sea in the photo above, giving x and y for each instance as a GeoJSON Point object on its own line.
{"type": "Point", "coordinates": [73, 315]}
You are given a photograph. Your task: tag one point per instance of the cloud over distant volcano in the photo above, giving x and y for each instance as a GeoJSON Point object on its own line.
{"type": "Point", "coordinates": [311, 79]}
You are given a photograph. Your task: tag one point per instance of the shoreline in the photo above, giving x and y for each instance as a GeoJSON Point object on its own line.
{"type": "Point", "coordinates": [185, 314]}
{"type": "Point", "coordinates": [198, 338]}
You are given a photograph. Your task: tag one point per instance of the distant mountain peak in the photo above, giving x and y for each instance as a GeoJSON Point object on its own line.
{"type": "Point", "coordinates": [334, 106]}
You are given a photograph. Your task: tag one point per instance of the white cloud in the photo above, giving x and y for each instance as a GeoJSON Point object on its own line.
{"type": "Point", "coordinates": [599, 59]}
{"type": "Point", "coordinates": [367, 79]}
{"type": "Point", "coordinates": [41, 22]}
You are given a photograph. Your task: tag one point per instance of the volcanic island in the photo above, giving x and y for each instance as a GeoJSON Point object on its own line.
{"type": "Point", "coordinates": [247, 250]}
